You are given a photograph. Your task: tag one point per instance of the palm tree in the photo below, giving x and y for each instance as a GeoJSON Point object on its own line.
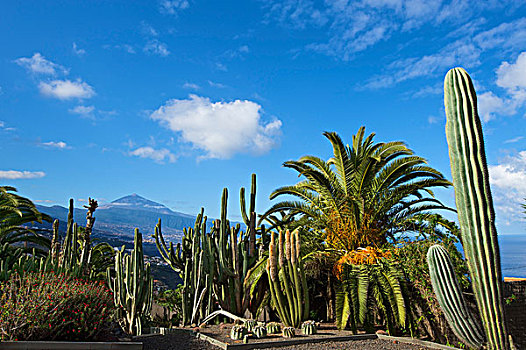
{"type": "Point", "coordinates": [16, 211]}
{"type": "Point", "coordinates": [364, 194]}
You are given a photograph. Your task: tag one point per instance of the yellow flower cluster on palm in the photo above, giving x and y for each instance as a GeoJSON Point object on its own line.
{"type": "Point", "coordinates": [361, 256]}
{"type": "Point", "coordinates": [342, 232]}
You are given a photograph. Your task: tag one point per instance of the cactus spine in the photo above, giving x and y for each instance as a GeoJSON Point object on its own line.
{"type": "Point", "coordinates": [132, 287]}
{"type": "Point", "coordinates": [288, 275]}
{"type": "Point", "coordinates": [474, 203]}
{"type": "Point", "coordinates": [449, 295]}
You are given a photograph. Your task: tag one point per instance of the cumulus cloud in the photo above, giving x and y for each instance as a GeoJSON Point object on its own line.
{"type": "Point", "coordinates": [508, 181]}
{"type": "Point", "coordinates": [37, 64]}
{"type": "Point", "coordinates": [66, 89]}
{"type": "Point", "coordinates": [219, 129]}
{"type": "Point", "coordinates": [158, 155]}
{"type": "Point", "coordinates": [53, 144]}
{"type": "Point", "coordinates": [16, 175]}
{"type": "Point", "coordinates": [512, 78]}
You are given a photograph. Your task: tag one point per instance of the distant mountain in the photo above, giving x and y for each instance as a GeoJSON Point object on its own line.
{"type": "Point", "coordinates": [122, 216]}
{"type": "Point", "coordinates": [136, 202]}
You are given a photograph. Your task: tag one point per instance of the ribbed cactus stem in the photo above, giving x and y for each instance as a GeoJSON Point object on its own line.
{"type": "Point", "coordinates": [474, 203]}
{"type": "Point", "coordinates": [280, 250]}
{"type": "Point", "coordinates": [450, 298]}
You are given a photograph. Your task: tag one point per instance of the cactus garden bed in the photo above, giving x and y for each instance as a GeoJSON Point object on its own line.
{"type": "Point", "coordinates": [327, 337]}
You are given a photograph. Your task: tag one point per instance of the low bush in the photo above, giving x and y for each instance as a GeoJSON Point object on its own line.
{"type": "Point", "coordinates": [46, 306]}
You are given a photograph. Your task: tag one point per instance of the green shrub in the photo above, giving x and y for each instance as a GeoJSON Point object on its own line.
{"type": "Point", "coordinates": [38, 306]}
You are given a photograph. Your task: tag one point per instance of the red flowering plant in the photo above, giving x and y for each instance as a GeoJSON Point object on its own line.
{"type": "Point", "coordinates": [46, 306]}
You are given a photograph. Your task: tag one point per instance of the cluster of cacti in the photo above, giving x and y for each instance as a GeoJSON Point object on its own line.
{"type": "Point", "coordinates": [288, 332]}
{"type": "Point", "coordinates": [450, 298]}
{"type": "Point", "coordinates": [132, 287]}
{"type": "Point", "coordinates": [76, 256]}
{"type": "Point", "coordinates": [215, 265]}
{"type": "Point", "coordinates": [288, 276]}
{"type": "Point", "coordinates": [238, 332]}
{"type": "Point", "coordinates": [474, 203]}
{"type": "Point", "coordinates": [309, 328]}
{"type": "Point", "coordinates": [194, 261]}
{"type": "Point", "coordinates": [259, 332]}
{"type": "Point", "coordinates": [273, 328]}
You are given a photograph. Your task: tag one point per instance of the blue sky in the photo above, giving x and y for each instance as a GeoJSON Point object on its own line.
{"type": "Point", "coordinates": [175, 100]}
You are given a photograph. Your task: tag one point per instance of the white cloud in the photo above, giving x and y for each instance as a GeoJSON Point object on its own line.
{"type": "Point", "coordinates": [155, 47]}
{"type": "Point", "coordinates": [515, 139]}
{"type": "Point", "coordinates": [15, 175]}
{"type": "Point", "coordinates": [191, 86]}
{"type": "Point", "coordinates": [42, 201]}
{"type": "Point", "coordinates": [158, 155]}
{"type": "Point", "coordinates": [53, 144]}
{"type": "Point", "coordinates": [216, 85]}
{"type": "Point", "coordinates": [66, 89]}
{"type": "Point", "coordinates": [173, 6]}
{"type": "Point", "coordinates": [512, 78]}
{"type": "Point", "coordinates": [508, 181]}
{"type": "Point", "coordinates": [219, 129]}
{"type": "Point", "coordinates": [85, 111]}
{"type": "Point", "coordinates": [78, 51]}
{"type": "Point", "coordinates": [39, 65]}
{"type": "Point", "coordinates": [350, 27]}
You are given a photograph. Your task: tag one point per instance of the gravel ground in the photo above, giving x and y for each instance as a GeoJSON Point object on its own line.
{"type": "Point", "coordinates": [179, 341]}
{"type": "Point", "coordinates": [187, 341]}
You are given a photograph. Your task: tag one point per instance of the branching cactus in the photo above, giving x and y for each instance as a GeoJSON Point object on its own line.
{"type": "Point", "coordinates": [221, 265]}
{"type": "Point", "coordinates": [132, 287]}
{"type": "Point", "coordinates": [288, 275]}
{"type": "Point", "coordinates": [474, 203]}
{"type": "Point", "coordinates": [449, 296]}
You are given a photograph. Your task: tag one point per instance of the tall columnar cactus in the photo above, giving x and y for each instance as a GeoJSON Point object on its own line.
{"type": "Point", "coordinates": [216, 265]}
{"type": "Point", "coordinates": [193, 260]}
{"type": "Point", "coordinates": [474, 203]}
{"type": "Point", "coordinates": [449, 295]}
{"type": "Point", "coordinates": [132, 287]}
{"type": "Point", "coordinates": [288, 275]}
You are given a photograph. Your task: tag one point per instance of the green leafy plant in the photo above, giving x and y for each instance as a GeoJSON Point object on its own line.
{"type": "Point", "coordinates": [383, 282]}
{"type": "Point", "coordinates": [46, 306]}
